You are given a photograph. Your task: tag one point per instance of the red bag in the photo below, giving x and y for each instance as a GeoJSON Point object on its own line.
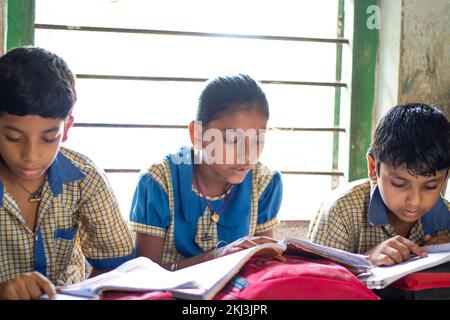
{"type": "Point", "coordinates": [428, 284]}
{"type": "Point", "coordinates": [149, 295]}
{"type": "Point", "coordinates": [298, 278]}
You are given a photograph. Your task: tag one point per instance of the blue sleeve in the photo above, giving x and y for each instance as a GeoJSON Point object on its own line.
{"type": "Point", "coordinates": [270, 201]}
{"type": "Point", "coordinates": [150, 205]}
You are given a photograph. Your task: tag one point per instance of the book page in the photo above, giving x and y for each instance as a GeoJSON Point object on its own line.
{"type": "Point", "coordinates": [382, 276]}
{"type": "Point", "coordinates": [356, 260]}
{"type": "Point", "coordinates": [140, 274]}
{"type": "Point", "coordinates": [442, 247]}
{"type": "Point", "coordinates": [212, 275]}
{"type": "Point", "coordinates": [62, 296]}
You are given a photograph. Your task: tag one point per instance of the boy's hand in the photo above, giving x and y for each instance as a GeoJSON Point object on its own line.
{"type": "Point", "coordinates": [394, 250]}
{"type": "Point", "coordinates": [31, 285]}
{"type": "Point", "coordinates": [248, 242]}
{"type": "Point", "coordinates": [428, 239]}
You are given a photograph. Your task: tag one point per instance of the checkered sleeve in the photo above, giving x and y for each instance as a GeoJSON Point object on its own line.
{"type": "Point", "coordinates": [271, 193]}
{"type": "Point", "coordinates": [329, 227]}
{"type": "Point", "coordinates": [104, 236]}
{"type": "Point", "coordinates": [150, 211]}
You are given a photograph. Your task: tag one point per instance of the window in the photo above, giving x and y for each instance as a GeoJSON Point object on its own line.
{"type": "Point", "coordinates": [140, 66]}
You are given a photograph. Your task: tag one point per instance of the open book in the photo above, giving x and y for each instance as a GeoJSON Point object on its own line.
{"type": "Point", "coordinates": [213, 275]}
{"type": "Point", "coordinates": [140, 274]}
{"type": "Point", "coordinates": [205, 280]}
{"type": "Point", "coordinates": [383, 276]}
{"type": "Point", "coordinates": [201, 281]}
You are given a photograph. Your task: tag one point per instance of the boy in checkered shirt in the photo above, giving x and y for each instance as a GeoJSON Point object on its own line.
{"type": "Point", "coordinates": [56, 207]}
{"type": "Point", "coordinates": [399, 207]}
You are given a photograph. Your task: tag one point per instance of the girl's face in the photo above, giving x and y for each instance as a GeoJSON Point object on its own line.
{"type": "Point", "coordinates": [232, 143]}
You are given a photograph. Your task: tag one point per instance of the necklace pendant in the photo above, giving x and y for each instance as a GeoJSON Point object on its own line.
{"type": "Point", "coordinates": [34, 198]}
{"type": "Point", "coordinates": [215, 217]}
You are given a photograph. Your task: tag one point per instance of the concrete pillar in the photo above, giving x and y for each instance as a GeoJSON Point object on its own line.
{"type": "Point", "coordinates": [425, 53]}
{"type": "Point", "coordinates": [414, 54]}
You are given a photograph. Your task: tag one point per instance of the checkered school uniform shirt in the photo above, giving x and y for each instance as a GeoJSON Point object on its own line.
{"type": "Point", "coordinates": [77, 217]}
{"type": "Point", "coordinates": [160, 172]}
{"type": "Point", "coordinates": [355, 219]}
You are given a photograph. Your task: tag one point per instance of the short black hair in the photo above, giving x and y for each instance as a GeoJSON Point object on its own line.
{"type": "Point", "coordinates": [416, 135]}
{"type": "Point", "coordinates": [229, 93]}
{"type": "Point", "coordinates": [35, 81]}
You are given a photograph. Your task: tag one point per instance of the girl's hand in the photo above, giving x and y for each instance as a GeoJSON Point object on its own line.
{"type": "Point", "coordinates": [428, 239]}
{"type": "Point", "coordinates": [248, 242]}
{"type": "Point", "coordinates": [394, 250]}
{"type": "Point", "coordinates": [31, 285]}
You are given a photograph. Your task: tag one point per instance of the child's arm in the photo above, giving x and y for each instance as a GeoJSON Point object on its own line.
{"type": "Point", "coordinates": [31, 285]}
{"type": "Point", "coordinates": [152, 248]}
{"type": "Point", "coordinates": [104, 236]}
{"type": "Point", "coordinates": [245, 243]}
{"type": "Point", "coordinates": [269, 204]}
{"type": "Point", "coordinates": [394, 250]}
{"type": "Point", "coordinates": [267, 233]}
{"type": "Point", "coordinates": [332, 227]}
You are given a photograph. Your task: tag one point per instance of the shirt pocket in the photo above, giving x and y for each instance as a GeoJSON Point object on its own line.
{"type": "Point", "coordinates": [64, 245]}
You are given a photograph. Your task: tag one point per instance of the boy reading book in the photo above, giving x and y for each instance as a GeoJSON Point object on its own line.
{"type": "Point", "coordinates": [400, 206]}
{"type": "Point", "coordinates": [56, 207]}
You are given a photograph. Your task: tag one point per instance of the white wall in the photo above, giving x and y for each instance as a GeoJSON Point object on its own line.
{"type": "Point", "coordinates": [425, 54]}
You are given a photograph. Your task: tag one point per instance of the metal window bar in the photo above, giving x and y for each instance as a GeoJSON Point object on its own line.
{"type": "Point", "coordinates": [336, 84]}
{"type": "Point", "coordinates": [313, 173]}
{"type": "Point", "coordinates": [188, 33]}
{"type": "Point", "coordinates": [169, 126]}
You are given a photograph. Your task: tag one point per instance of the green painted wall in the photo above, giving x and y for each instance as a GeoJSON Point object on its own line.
{"type": "Point", "coordinates": [20, 30]}
{"type": "Point", "coordinates": [365, 44]}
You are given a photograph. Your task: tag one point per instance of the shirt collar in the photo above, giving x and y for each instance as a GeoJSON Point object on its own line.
{"type": "Point", "coordinates": [61, 171]}
{"type": "Point", "coordinates": [377, 213]}
{"type": "Point", "coordinates": [183, 162]}
{"type": "Point", "coordinates": [437, 218]}
{"type": "Point", "coordinates": [241, 201]}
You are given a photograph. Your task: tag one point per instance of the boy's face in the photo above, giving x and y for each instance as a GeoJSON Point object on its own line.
{"type": "Point", "coordinates": [29, 144]}
{"type": "Point", "coordinates": [408, 197]}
